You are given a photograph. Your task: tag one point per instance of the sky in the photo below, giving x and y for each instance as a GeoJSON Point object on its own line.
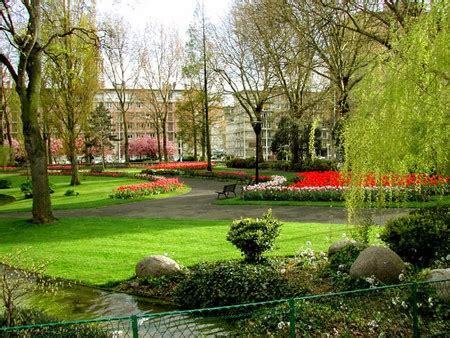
{"type": "Point", "coordinates": [177, 13]}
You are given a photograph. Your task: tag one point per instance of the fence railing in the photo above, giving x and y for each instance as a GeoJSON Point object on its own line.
{"type": "Point", "coordinates": [410, 309]}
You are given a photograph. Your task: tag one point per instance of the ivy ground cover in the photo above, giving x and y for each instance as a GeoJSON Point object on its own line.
{"type": "Point", "coordinates": [332, 185]}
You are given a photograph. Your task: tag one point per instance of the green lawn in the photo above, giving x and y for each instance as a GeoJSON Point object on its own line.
{"type": "Point", "coordinates": [435, 200]}
{"type": "Point", "coordinates": [93, 192]}
{"type": "Point", "coordinates": [101, 250]}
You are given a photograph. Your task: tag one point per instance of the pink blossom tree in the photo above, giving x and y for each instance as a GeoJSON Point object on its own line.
{"type": "Point", "coordinates": [143, 146]}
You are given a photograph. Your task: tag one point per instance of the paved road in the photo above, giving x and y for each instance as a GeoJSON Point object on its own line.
{"type": "Point", "coordinates": [197, 204]}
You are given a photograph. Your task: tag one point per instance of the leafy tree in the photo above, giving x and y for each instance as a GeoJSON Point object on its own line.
{"type": "Point", "coordinates": [190, 118]}
{"type": "Point", "coordinates": [144, 146]}
{"type": "Point", "coordinates": [99, 130]}
{"type": "Point", "coordinates": [72, 71]}
{"type": "Point", "coordinates": [401, 124]}
{"type": "Point", "coordinates": [246, 69]}
{"type": "Point", "coordinates": [120, 68]}
{"type": "Point", "coordinates": [287, 131]}
{"type": "Point", "coordinates": [160, 59]}
{"type": "Point", "coordinates": [21, 26]}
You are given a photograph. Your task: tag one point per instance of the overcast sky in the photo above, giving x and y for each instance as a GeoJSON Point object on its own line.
{"type": "Point", "coordinates": [171, 12]}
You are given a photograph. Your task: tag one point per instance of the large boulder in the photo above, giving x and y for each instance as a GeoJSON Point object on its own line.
{"type": "Point", "coordinates": [442, 288]}
{"type": "Point", "coordinates": [156, 266]}
{"type": "Point", "coordinates": [382, 263]}
{"type": "Point", "coordinates": [339, 245]}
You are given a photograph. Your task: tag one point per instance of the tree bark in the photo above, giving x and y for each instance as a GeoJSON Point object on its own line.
{"type": "Point", "coordinates": [295, 159]}
{"type": "Point", "coordinates": [75, 179]}
{"type": "Point", "coordinates": [125, 133]}
{"type": "Point", "coordinates": [34, 143]}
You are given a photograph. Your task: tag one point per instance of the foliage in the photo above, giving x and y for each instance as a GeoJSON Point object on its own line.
{"type": "Point", "coordinates": [5, 184]}
{"type": "Point", "coordinates": [27, 189]}
{"type": "Point", "coordinates": [420, 237]}
{"type": "Point", "coordinates": [71, 192]}
{"type": "Point", "coordinates": [248, 163]}
{"type": "Point", "coordinates": [315, 165]}
{"type": "Point", "coordinates": [14, 284]}
{"type": "Point", "coordinates": [229, 283]}
{"type": "Point", "coordinates": [401, 121]}
{"type": "Point", "coordinates": [98, 133]}
{"type": "Point", "coordinates": [254, 236]}
{"type": "Point", "coordinates": [338, 270]}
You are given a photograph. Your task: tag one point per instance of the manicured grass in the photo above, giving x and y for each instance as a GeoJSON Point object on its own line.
{"type": "Point", "coordinates": [435, 200]}
{"type": "Point", "coordinates": [93, 192]}
{"type": "Point", "coordinates": [101, 250]}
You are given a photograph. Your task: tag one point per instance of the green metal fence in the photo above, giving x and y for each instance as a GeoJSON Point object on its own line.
{"type": "Point", "coordinates": [411, 309]}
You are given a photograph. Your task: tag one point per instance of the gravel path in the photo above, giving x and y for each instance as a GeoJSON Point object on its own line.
{"type": "Point", "coordinates": [197, 204]}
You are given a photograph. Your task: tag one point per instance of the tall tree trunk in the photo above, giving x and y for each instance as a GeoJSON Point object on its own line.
{"type": "Point", "coordinates": [75, 179]}
{"type": "Point", "coordinates": [295, 144]}
{"type": "Point", "coordinates": [158, 138]}
{"type": "Point", "coordinates": [125, 136]}
{"type": "Point", "coordinates": [164, 132]}
{"type": "Point", "coordinates": [34, 144]}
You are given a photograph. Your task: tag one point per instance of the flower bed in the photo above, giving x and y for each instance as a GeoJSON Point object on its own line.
{"type": "Point", "coordinates": [9, 168]}
{"type": "Point", "coordinates": [160, 186]}
{"type": "Point", "coordinates": [331, 186]}
{"type": "Point", "coordinates": [180, 166]}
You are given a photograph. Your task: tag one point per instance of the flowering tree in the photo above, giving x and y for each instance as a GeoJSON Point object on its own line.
{"type": "Point", "coordinates": [143, 146]}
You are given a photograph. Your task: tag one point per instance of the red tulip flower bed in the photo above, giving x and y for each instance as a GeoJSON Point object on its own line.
{"type": "Point", "coordinates": [336, 179]}
{"type": "Point", "coordinates": [179, 166]}
{"type": "Point", "coordinates": [331, 186]}
{"type": "Point", "coordinates": [407, 187]}
{"type": "Point", "coordinates": [160, 186]}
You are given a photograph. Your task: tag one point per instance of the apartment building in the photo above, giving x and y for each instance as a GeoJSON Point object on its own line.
{"type": "Point", "coordinates": [240, 139]}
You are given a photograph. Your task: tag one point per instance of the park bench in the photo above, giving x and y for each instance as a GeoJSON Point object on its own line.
{"type": "Point", "coordinates": [227, 189]}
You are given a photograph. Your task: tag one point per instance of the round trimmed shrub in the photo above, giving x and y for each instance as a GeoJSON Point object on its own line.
{"type": "Point", "coordinates": [254, 236]}
{"type": "Point", "coordinates": [5, 184]}
{"type": "Point", "coordinates": [229, 283]}
{"type": "Point", "coordinates": [421, 237]}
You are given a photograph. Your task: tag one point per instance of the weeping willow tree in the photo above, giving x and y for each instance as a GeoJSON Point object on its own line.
{"type": "Point", "coordinates": [402, 121]}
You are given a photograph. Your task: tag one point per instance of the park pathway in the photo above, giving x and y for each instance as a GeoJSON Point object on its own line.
{"type": "Point", "coordinates": [198, 204]}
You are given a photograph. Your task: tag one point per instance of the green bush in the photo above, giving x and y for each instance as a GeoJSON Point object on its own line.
{"type": "Point", "coordinates": [315, 165]}
{"type": "Point", "coordinates": [27, 189]}
{"type": "Point", "coordinates": [71, 192]}
{"type": "Point", "coordinates": [254, 236]}
{"type": "Point", "coordinates": [241, 163]}
{"type": "Point", "coordinates": [5, 184]}
{"type": "Point", "coordinates": [421, 237]}
{"type": "Point", "coordinates": [228, 283]}
{"type": "Point", "coordinates": [339, 265]}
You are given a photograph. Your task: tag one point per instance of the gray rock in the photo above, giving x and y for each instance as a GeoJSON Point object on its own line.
{"type": "Point", "coordinates": [336, 246]}
{"type": "Point", "coordinates": [382, 263]}
{"type": "Point", "coordinates": [156, 266]}
{"type": "Point", "coordinates": [443, 288]}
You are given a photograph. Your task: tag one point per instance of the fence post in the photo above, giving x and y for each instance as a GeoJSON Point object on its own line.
{"type": "Point", "coordinates": [416, 329]}
{"type": "Point", "coordinates": [134, 326]}
{"type": "Point", "coordinates": [291, 318]}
